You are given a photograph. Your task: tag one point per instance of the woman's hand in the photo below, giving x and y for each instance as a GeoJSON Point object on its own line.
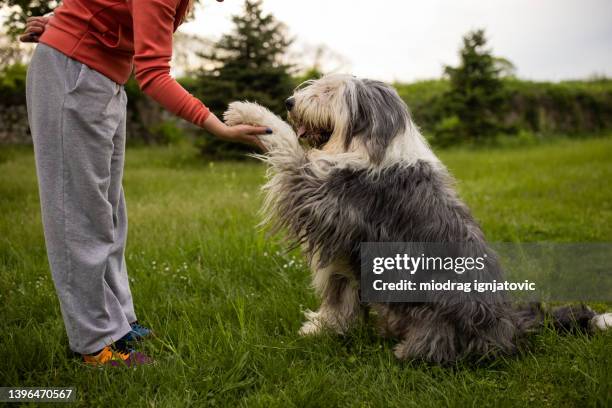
{"type": "Point", "coordinates": [35, 26]}
{"type": "Point", "coordinates": [245, 134]}
{"type": "Point", "coordinates": [240, 133]}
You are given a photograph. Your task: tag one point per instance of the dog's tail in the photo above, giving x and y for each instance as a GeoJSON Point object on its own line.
{"type": "Point", "coordinates": [579, 319]}
{"type": "Point", "coordinates": [565, 319]}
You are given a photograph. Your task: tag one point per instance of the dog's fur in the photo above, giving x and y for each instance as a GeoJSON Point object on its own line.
{"type": "Point", "coordinates": [369, 176]}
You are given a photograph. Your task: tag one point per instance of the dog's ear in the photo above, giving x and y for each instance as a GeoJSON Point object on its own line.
{"type": "Point", "coordinates": [376, 115]}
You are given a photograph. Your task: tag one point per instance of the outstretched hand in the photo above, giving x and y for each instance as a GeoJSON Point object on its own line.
{"type": "Point", "coordinates": [246, 134]}
{"type": "Point", "coordinates": [238, 133]}
{"type": "Point", "coordinates": [35, 26]}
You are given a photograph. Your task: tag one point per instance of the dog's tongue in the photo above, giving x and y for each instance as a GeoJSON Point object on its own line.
{"type": "Point", "coordinates": [301, 131]}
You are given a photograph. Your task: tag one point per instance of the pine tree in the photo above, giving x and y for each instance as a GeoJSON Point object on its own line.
{"type": "Point", "coordinates": [475, 104]}
{"type": "Point", "coordinates": [247, 64]}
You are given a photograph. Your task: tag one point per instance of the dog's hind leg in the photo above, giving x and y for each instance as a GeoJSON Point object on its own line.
{"type": "Point", "coordinates": [340, 307]}
{"type": "Point", "coordinates": [433, 341]}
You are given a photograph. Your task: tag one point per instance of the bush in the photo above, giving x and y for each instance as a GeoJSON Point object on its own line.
{"type": "Point", "coordinates": [168, 133]}
{"type": "Point", "coordinates": [541, 109]}
{"type": "Point", "coordinates": [13, 84]}
{"type": "Point", "coordinates": [446, 131]}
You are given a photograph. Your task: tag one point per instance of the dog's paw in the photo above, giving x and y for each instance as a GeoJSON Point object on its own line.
{"type": "Point", "coordinates": [280, 142]}
{"type": "Point", "coordinates": [246, 113]}
{"type": "Point", "coordinates": [310, 329]}
{"type": "Point", "coordinates": [400, 352]}
{"type": "Point", "coordinates": [313, 324]}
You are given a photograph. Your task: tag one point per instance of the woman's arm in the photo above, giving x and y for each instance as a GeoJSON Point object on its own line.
{"type": "Point", "coordinates": [153, 22]}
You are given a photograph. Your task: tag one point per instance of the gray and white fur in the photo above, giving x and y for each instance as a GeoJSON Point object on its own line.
{"type": "Point", "coordinates": [368, 175]}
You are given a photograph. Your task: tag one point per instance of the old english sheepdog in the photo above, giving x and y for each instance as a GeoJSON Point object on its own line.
{"type": "Point", "coordinates": [366, 174]}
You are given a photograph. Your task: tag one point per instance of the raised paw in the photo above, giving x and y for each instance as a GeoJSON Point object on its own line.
{"type": "Point", "coordinates": [246, 113]}
{"type": "Point", "coordinates": [280, 142]}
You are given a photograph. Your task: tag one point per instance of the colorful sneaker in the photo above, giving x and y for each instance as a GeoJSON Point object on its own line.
{"type": "Point", "coordinates": [110, 356]}
{"type": "Point", "coordinates": [138, 333]}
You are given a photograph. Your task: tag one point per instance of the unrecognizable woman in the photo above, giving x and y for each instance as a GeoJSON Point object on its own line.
{"type": "Point", "coordinates": [77, 114]}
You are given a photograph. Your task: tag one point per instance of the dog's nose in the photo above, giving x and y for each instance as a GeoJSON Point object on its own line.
{"type": "Point", "coordinates": [290, 103]}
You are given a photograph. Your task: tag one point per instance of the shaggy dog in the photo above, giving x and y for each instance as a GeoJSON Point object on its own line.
{"type": "Point", "coordinates": [368, 175]}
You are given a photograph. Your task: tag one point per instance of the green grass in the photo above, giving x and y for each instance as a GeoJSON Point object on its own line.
{"type": "Point", "coordinates": [227, 303]}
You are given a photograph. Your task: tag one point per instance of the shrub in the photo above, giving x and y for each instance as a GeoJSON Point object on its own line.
{"type": "Point", "coordinates": [12, 85]}
{"type": "Point", "coordinates": [541, 109]}
{"type": "Point", "coordinates": [168, 133]}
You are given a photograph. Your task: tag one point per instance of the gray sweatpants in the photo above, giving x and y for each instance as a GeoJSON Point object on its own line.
{"type": "Point", "coordinates": [77, 117]}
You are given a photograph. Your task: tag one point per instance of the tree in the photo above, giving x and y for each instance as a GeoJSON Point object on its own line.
{"type": "Point", "coordinates": [475, 104]}
{"type": "Point", "coordinates": [246, 64]}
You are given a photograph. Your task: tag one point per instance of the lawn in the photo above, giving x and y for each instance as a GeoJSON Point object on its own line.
{"type": "Point", "coordinates": [226, 302]}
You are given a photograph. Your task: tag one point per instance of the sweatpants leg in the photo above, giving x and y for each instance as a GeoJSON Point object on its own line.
{"type": "Point", "coordinates": [76, 117]}
{"type": "Point", "coordinates": [116, 275]}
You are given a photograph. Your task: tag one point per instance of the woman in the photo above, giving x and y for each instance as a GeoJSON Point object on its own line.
{"type": "Point", "coordinates": [77, 112]}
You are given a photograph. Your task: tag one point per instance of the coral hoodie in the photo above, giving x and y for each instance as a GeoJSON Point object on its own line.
{"type": "Point", "coordinates": [115, 36]}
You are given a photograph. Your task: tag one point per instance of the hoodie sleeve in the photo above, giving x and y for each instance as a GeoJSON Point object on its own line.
{"type": "Point", "coordinates": [153, 22]}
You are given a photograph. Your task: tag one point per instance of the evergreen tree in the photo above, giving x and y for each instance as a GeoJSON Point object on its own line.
{"type": "Point", "coordinates": [246, 64]}
{"type": "Point", "coordinates": [475, 104]}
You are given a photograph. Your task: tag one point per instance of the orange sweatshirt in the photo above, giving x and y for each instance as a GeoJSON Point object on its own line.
{"type": "Point", "coordinates": [114, 37]}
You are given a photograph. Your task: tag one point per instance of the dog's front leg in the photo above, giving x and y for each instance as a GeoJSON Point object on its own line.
{"type": "Point", "coordinates": [340, 306]}
{"type": "Point", "coordinates": [283, 148]}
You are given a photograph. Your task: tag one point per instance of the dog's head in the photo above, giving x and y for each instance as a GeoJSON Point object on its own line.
{"type": "Point", "coordinates": [338, 113]}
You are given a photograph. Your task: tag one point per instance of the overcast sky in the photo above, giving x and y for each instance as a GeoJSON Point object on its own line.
{"type": "Point", "coordinates": [409, 40]}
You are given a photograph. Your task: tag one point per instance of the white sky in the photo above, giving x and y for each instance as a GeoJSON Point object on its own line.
{"type": "Point", "coordinates": [409, 40]}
